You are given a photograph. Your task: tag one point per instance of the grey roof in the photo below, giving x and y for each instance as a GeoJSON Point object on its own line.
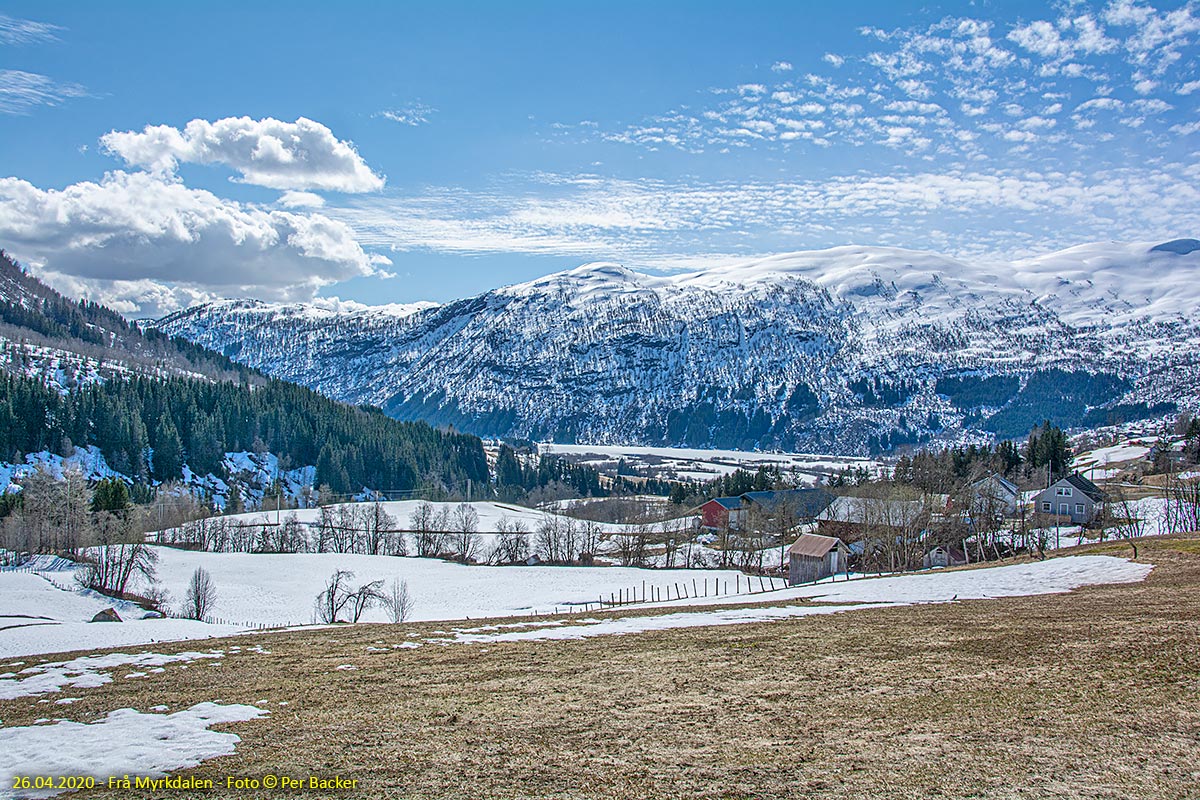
{"type": "Point", "coordinates": [875, 510]}
{"type": "Point", "coordinates": [1000, 479]}
{"type": "Point", "coordinates": [1084, 485]}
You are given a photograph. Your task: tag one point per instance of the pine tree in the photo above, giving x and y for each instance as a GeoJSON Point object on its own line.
{"type": "Point", "coordinates": [168, 450]}
{"type": "Point", "coordinates": [111, 494]}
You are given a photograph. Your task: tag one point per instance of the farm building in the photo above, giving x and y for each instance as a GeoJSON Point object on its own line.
{"type": "Point", "coordinates": [852, 518]}
{"type": "Point", "coordinates": [802, 505]}
{"type": "Point", "coordinates": [721, 512]}
{"type": "Point", "coordinates": [943, 556]}
{"type": "Point", "coordinates": [995, 495]}
{"type": "Point", "coordinates": [814, 557]}
{"type": "Point", "coordinates": [1073, 497]}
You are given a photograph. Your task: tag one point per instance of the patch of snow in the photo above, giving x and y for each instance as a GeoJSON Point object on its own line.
{"type": "Point", "coordinates": [1053, 576]}
{"type": "Point", "coordinates": [126, 742]}
{"type": "Point", "coordinates": [86, 671]}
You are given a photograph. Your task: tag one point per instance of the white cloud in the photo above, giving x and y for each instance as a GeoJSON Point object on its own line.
{"type": "Point", "coordinates": [1157, 37]}
{"type": "Point", "coordinates": [301, 200]}
{"type": "Point", "coordinates": [279, 155]}
{"type": "Point", "coordinates": [1040, 37]}
{"type": "Point", "coordinates": [414, 114]}
{"type": "Point", "coordinates": [781, 66]}
{"type": "Point", "coordinates": [1068, 38]}
{"type": "Point", "coordinates": [24, 31]}
{"type": "Point", "coordinates": [640, 222]}
{"type": "Point", "coordinates": [834, 59]}
{"type": "Point", "coordinates": [1152, 105]}
{"type": "Point", "coordinates": [980, 73]}
{"type": "Point", "coordinates": [21, 91]}
{"type": "Point", "coordinates": [135, 227]}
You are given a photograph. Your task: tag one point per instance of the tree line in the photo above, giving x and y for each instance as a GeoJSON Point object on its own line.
{"type": "Point", "coordinates": [150, 429]}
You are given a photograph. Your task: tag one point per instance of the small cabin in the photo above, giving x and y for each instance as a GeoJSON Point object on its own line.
{"type": "Point", "coordinates": [943, 556]}
{"type": "Point", "coordinates": [813, 557]}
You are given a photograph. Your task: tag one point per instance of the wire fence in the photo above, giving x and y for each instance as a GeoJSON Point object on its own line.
{"type": "Point", "coordinates": [691, 590]}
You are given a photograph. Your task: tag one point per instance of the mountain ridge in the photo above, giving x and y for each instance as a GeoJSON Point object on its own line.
{"type": "Point", "coordinates": [847, 350]}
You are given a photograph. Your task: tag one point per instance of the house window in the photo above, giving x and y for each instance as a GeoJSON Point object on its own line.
{"type": "Point", "coordinates": [1046, 507]}
{"type": "Point", "coordinates": [1063, 491]}
{"type": "Point", "coordinates": [1079, 508]}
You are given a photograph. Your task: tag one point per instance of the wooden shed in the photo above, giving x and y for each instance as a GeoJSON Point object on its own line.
{"type": "Point", "coordinates": [813, 557]}
{"type": "Point", "coordinates": [944, 556]}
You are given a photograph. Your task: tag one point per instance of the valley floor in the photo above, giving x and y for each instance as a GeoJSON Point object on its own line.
{"type": "Point", "coordinates": [1088, 694]}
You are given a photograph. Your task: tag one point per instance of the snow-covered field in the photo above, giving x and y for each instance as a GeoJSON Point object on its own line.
{"type": "Point", "coordinates": [490, 516]}
{"type": "Point", "coordinates": [280, 589]}
{"type": "Point", "coordinates": [40, 616]}
{"type": "Point", "coordinates": [708, 464]}
{"type": "Point", "coordinates": [1104, 463]}
{"type": "Point", "coordinates": [401, 510]}
{"type": "Point", "coordinates": [255, 590]}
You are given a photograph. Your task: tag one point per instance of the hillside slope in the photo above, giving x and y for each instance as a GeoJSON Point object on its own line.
{"type": "Point", "coordinates": [80, 385]}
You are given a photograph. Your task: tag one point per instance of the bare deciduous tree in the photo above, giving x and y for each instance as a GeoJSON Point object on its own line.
{"type": "Point", "coordinates": [398, 602]}
{"type": "Point", "coordinates": [378, 526]}
{"type": "Point", "coordinates": [366, 596]}
{"type": "Point", "coordinates": [512, 542]}
{"type": "Point", "coordinates": [201, 595]}
{"type": "Point", "coordinates": [1122, 511]}
{"type": "Point", "coordinates": [429, 526]}
{"type": "Point", "coordinates": [111, 566]}
{"type": "Point", "coordinates": [330, 602]}
{"type": "Point", "coordinates": [466, 536]}
{"type": "Point", "coordinates": [1182, 508]}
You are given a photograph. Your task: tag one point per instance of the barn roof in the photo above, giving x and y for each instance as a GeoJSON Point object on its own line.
{"type": "Point", "coordinates": [806, 503]}
{"type": "Point", "coordinates": [814, 545]}
{"type": "Point", "coordinates": [874, 510]}
{"type": "Point", "coordinates": [727, 502]}
{"type": "Point", "coordinates": [952, 551]}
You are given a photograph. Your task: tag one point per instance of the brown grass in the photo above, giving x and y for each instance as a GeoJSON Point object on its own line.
{"type": "Point", "coordinates": [1093, 694]}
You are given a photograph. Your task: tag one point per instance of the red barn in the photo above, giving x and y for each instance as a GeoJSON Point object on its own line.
{"type": "Point", "coordinates": [721, 511]}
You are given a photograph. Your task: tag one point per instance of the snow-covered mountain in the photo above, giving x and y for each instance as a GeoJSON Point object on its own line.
{"type": "Point", "coordinates": [848, 350]}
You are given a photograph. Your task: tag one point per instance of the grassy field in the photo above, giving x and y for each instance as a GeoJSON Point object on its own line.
{"type": "Point", "coordinates": [1093, 694]}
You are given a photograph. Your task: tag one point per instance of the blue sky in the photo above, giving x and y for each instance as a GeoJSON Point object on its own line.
{"type": "Point", "coordinates": [156, 155]}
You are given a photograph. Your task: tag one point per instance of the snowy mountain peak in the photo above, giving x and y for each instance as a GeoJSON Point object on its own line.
{"type": "Point", "coordinates": [848, 349]}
